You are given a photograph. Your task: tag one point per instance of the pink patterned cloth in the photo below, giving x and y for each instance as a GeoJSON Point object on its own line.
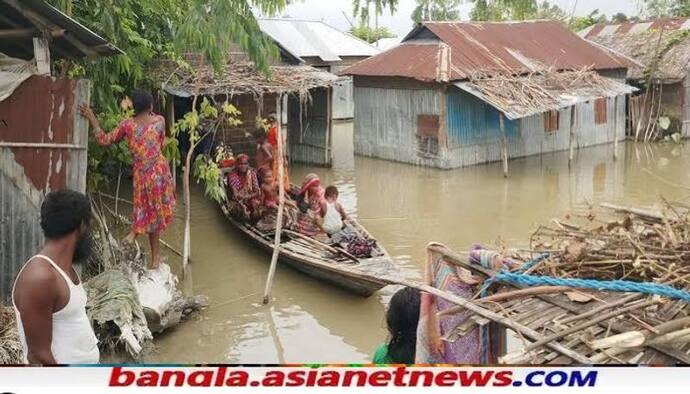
{"type": "Point", "coordinates": [431, 348]}
{"type": "Point", "coordinates": [154, 196]}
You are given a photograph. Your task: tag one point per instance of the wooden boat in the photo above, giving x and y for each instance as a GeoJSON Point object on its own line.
{"type": "Point", "coordinates": [360, 276]}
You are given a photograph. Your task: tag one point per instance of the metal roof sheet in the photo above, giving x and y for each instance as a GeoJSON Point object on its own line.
{"type": "Point", "coordinates": [489, 47]}
{"type": "Point", "coordinates": [635, 27]}
{"type": "Point", "coordinates": [315, 39]}
{"type": "Point", "coordinates": [77, 41]}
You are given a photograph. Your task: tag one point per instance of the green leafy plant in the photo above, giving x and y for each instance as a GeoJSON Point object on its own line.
{"type": "Point", "coordinates": [206, 170]}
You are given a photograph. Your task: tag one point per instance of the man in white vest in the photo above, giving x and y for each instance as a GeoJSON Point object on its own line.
{"type": "Point", "coordinates": [48, 296]}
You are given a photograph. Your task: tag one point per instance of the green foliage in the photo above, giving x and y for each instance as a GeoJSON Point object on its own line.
{"type": "Point", "coordinates": [210, 27]}
{"type": "Point", "coordinates": [582, 22]}
{"type": "Point", "coordinates": [500, 10]}
{"type": "Point", "coordinates": [206, 170]}
{"type": "Point", "coordinates": [436, 10]}
{"type": "Point", "coordinates": [150, 30]}
{"type": "Point", "coordinates": [663, 8]}
{"type": "Point", "coordinates": [361, 9]}
{"type": "Point", "coordinates": [200, 124]}
{"type": "Point", "coordinates": [370, 34]}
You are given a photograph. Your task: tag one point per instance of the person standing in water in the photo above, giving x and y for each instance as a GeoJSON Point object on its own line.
{"type": "Point", "coordinates": [48, 296]}
{"type": "Point", "coordinates": [402, 319]}
{"type": "Point", "coordinates": [154, 196]}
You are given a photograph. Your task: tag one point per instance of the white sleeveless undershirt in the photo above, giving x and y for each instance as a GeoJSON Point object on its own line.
{"type": "Point", "coordinates": [74, 341]}
{"type": "Point", "coordinates": [332, 221]}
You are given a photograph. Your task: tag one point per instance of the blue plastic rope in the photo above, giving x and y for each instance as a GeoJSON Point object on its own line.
{"type": "Point", "coordinates": [609, 285]}
{"type": "Point", "coordinates": [531, 263]}
{"type": "Point", "coordinates": [524, 267]}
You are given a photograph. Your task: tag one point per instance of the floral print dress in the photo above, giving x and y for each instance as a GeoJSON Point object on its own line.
{"type": "Point", "coordinates": [154, 197]}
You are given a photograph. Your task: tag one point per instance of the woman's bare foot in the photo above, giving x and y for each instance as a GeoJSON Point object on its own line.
{"type": "Point", "coordinates": [129, 238]}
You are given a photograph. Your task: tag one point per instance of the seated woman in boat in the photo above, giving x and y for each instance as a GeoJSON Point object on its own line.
{"type": "Point", "coordinates": [244, 194]}
{"type": "Point", "coordinates": [264, 152]}
{"type": "Point", "coordinates": [270, 204]}
{"type": "Point", "coordinates": [312, 209]}
{"type": "Point", "coordinates": [402, 319]}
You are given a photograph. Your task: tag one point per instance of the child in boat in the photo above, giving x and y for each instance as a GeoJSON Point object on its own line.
{"type": "Point", "coordinates": [335, 214]}
{"type": "Point", "coordinates": [264, 152]}
{"type": "Point", "coordinates": [270, 202]}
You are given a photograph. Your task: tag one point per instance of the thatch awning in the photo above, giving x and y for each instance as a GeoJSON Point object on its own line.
{"type": "Point", "coordinates": [525, 95]}
{"type": "Point", "coordinates": [241, 77]}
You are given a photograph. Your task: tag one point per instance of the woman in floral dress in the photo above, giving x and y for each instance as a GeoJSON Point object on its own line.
{"type": "Point", "coordinates": [154, 197]}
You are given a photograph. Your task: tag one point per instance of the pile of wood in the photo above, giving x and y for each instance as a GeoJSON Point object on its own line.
{"type": "Point", "coordinates": [638, 245]}
{"type": "Point", "coordinates": [642, 245]}
{"type": "Point", "coordinates": [562, 324]}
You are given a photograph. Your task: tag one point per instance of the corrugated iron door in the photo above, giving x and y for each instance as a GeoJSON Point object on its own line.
{"type": "Point", "coordinates": [309, 128]}
{"type": "Point", "coordinates": [42, 148]}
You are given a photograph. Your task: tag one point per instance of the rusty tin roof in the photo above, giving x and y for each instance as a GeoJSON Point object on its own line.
{"type": "Point", "coordinates": [486, 48]}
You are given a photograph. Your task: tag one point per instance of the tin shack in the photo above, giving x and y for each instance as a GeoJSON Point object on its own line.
{"type": "Point", "coordinates": [662, 46]}
{"type": "Point", "coordinates": [454, 94]}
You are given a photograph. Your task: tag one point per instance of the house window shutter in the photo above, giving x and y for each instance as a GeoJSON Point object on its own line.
{"type": "Point", "coordinates": [600, 111]}
{"type": "Point", "coordinates": [551, 121]}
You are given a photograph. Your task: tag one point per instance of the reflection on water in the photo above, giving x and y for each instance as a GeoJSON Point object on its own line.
{"type": "Point", "coordinates": [405, 207]}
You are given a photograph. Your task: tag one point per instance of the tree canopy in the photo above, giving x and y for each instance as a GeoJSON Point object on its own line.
{"type": "Point", "coordinates": [500, 10]}
{"type": "Point", "coordinates": [436, 10]}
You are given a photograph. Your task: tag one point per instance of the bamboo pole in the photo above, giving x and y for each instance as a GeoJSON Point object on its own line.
{"type": "Point", "coordinates": [504, 147]}
{"type": "Point", "coordinates": [589, 323]}
{"type": "Point", "coordinates": [615, 128]}
{"type": "Point", "coordinates": [571, 147]}
{"type": "Point", "coordinates": [281, 203]}
{"type": "Point", "coordinates": [40, 145]}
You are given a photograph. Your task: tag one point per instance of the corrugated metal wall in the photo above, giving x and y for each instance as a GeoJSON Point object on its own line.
{"type": "Point", "coordinates": [343, 100]}
{"type": "Point", "coordinates": [472, 121]}
{"type": "Point", "coordinates": [617, 74]}
{"type": "Point", "coordinates": [310, 142]}
{"type": "Point", "coordinates": [385, 123]}
{"type": "Point", "coordinates": [41, 110]}
{"type": "Point", "coordinates": [531, 138]}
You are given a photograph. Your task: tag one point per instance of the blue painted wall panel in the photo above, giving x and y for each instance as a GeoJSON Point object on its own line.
{"type": "Point", "coordinates": [472, 121]}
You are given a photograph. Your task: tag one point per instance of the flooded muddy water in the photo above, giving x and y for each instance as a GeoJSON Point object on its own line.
{"type": "Point", "coordinates": [405, 207]}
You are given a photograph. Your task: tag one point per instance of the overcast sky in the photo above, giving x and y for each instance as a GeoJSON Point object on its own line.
{"type": "Point", "coordinates": [333, 11]}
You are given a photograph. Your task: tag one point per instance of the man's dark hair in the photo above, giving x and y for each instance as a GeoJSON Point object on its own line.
{"type": "Point", "coordinates": [64, 211]}
{"type": "Point", "coordinates": [142, 100]}
{"type": "Point", "coordinates": [331, 191]}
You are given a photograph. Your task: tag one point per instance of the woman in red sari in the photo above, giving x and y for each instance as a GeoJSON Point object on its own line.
{"type": "Point", "coordinates": [154, 197]}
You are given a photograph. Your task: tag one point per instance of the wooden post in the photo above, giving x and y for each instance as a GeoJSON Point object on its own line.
{"type": "Point", "coordinates": [42, 55]}
{"type": "Point", "coordinates": [329, 126]}
{"type": "Point", "coordinates": [571, 147]}
{"type": "Point", "coordinates": [504, 147]}
{"type": "Point", "coordinates": [615, 128]}
{"type": "Point", "coordinates": [281, 204]}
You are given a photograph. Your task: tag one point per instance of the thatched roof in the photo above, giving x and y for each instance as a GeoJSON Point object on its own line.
{"type": "Point", "coordinates": [240, 77]}
{"type": "Point", "coordinates": [672, 52]}
{"type": "Point", "coordinates": [519, 96]}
